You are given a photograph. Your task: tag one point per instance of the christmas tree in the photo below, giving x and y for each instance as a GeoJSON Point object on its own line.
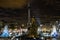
{"type": "Point", "coordinates": [33, 28]}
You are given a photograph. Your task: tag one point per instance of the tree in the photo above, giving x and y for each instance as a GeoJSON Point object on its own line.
{"type": "Point", "coordinates": [33, 28]}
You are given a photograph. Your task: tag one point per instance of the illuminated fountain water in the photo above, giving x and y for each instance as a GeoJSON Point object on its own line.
{"type": "Point", "coordinates": [54, 33]}
{"type": "Point", "coordinates": [5, 32]}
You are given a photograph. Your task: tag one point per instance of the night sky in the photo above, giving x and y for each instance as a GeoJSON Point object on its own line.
{"type": "Point", "coordinates": [13, 3]}
{"type": "Point", "coordinates": [46, 10]}
{"type": "Point", "coordinates": [19, 8]}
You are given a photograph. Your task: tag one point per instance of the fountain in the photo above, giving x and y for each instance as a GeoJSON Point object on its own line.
{"type": "Point", "coordinates": [54, 33]}
{"type": "Point", "coordinates": [5, 32]}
